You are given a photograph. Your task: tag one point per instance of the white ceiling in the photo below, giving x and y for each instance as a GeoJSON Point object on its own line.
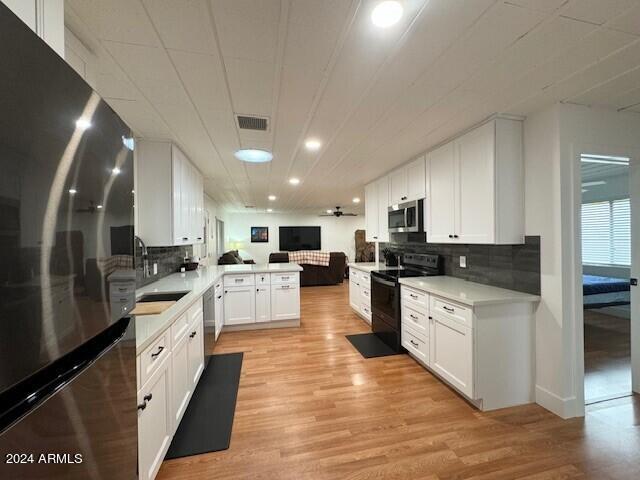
{"type": "Point", "coordinates": [319, 68]}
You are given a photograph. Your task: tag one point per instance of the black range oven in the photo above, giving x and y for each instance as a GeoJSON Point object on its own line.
{"type": "Point", "coordinates": [385, 295]}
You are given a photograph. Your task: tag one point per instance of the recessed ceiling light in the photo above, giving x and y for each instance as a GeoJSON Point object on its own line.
{"type": "Point", "coordinates": [253, 155]}
{"type": "Point", "coordinates": [272, 197]}
{"type": "Point", "coordinates": [99, 207]}
{"type": "Point", "coordinates": [313, 144]}
{"type": "Point", "coordinates": [329, 211]}
{"type": "Point", "coordinates": [386, 13]}
{"type": "Point", "coordinates": [294, 181]}
{"type": "Point", "coordinates": [116, 171]}
{"type": "Point", "coordinates": [83, 124]}
{"type": "Point", "coordinates": [356, 199]}
{"type": "Point", "coordinates": [269, 210]}
{"type": "Point", "coordinates": [72, 191]}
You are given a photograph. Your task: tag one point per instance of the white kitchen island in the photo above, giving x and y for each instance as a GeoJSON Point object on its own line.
{"type": "Point", "coordinates": [170, 345]}
{"type": "Point", "coordinates": [477, 338]}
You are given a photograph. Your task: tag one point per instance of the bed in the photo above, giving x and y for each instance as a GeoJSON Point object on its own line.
{"type": "Point", "coordinates": [600, 292]}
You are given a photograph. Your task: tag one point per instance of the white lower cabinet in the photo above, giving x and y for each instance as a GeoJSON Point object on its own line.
{"type": "Point", "coordinates": [219, 308]}
{"type": "Point", "coordinates": [180, 384]}
{"type": "Point", "coordinates": [354, 290]}
{"type": "Point", "coordinates": [452, 353]}
{"type": "Point", "coordinates": [285, 302]}
{"type": "Point", "coordinates": [485, 352]}
{"type": "Point", "coordinates": [360, 292]}
{"type": "Point", "coordinates": [239, 305]}
{"type": "Point", "coordinates": [263, 303]}
{"type": "Point", "coordinates": [195, 347]}
{"type": "Point", "coordinates": [155, 423]}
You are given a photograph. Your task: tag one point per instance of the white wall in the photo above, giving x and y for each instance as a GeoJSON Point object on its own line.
{"type": "Point", "coordinates": [337, 234]}
{"type": "Point", "coordinates": [554, 138]}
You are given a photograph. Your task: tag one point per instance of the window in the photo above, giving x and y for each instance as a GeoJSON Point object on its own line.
{"type": "Point", "coordinates": [606, 232]}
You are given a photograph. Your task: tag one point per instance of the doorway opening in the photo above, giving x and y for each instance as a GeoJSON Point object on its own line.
{"type": "Point", "coordinates": [606, 230]}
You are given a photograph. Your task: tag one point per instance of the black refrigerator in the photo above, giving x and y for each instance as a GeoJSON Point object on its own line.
{"type": "Point", "coordinates": [67, 352]}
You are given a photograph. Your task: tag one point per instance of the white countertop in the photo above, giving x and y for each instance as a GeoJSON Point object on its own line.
{"type": "Point", "coordinates": [371, 266]}
{"type": "Point", "coordinates": [468, 293]}
{"type": "Point", "coordinates": [197, 282]}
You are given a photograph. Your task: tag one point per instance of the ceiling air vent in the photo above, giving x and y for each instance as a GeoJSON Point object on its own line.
{"type": "Point", "coordinates": [248, 122]}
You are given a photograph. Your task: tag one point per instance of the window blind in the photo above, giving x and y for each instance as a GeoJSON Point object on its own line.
{"type": "Point", "coordinates": [606, 232]}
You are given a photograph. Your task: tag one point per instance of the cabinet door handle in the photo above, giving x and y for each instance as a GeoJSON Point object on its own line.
{"type": "Point", "coordinates": [185, 238]}
{"type": "Point", "coordinates": [430, 317]}
{"type": "Point", "coordinates": [155, 355]}
{"type": "Point", "coordinates": [226, 292]}
{"type": "Point", "coordinates": [239, 280]}
{"type": "Point", "coordinates": [413, 316]}
{"type": "Point", "coordinates": [285, 278]}
{"type": "Point", "coordinates": [193, 334]}
{"type": "Point", "coordinates": [450, 236]}
{"type": "Point", "coordinates": [219, 297]}
{"type": "Point", "coordinates": [448, 309]}
{"type": "Point", "coordinates": [415, 297]}
{"type": "Point", "coordinates": [146, 399]}
{"type": "Point", "coordinates": [455, 236]}
{"type": "Point", "coordinates": [285, 287]}
{"type": "Point", "coordinates": [403, 198]}
{"type": "Point", "coordinates": [199, 238]}
{"type": "Point", "coordinates": [414, 343]}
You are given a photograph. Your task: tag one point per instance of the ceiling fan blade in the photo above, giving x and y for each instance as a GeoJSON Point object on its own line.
{"type": "Point", "coordinates": [349, 214]}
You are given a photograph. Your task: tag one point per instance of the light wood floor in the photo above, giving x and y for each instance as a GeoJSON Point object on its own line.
{"type": "Point", "coordinates": [607, 356]}
{"type": "Point", "coordinates": [311, 408]}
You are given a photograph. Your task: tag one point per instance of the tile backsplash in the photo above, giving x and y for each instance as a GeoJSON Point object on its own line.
{"type": "Point", "coordinates": [516, 267]}
{"type": "Point", "coordinates": [169, 260]}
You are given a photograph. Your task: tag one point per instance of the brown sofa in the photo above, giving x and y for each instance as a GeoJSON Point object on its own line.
{"type": "Point", "coordinates": [316, 274]}
{"type": "Point", "coordinates": [232, 257]}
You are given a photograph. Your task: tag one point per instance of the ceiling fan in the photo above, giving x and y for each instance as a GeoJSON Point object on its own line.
{"type": "Point", "coordinates": [338, 213]}
{"type": "Point", "coordinates": [92, 208]}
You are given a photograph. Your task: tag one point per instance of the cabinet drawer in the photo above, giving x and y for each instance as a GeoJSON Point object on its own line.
{"type": "Point", "coordinates": [154, 355]}
{"type": "Point", "coordinates": [263, 279]}
{"type": "Point", "coordinates": [195, 310]}
{"type": "Point", "coordinates": [354, 274]}
{"type": "Point", "coordinates": [415, 344]}
{"type": "Point", "coordinates": [364, 279]}
{"type": "Point", "coordinates": [365, 310]}
{"type": "Point", "coordinates": [122, 287]}
{"type": "Point", "coordinates": [365, 295]}
{"type": "Point", "coordinates": [415, 298]}
{"type": "Point", "coordinates": [238, 280]}
{"type": "Point", "coordinates": [414, 319]}
{"type": "Point", "coordinates": [454, 311]}
{"type": "Point", "coordinates": [179, 329]}
{"type": "Point", "coordinates": [280, 278]}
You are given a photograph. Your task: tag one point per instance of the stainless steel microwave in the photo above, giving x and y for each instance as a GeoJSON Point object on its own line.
{"type": "Point", "coordinates": [406, 217]}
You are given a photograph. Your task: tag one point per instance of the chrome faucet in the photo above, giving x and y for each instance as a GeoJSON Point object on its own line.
{"type": "Point", "coordinates": [145, 258]}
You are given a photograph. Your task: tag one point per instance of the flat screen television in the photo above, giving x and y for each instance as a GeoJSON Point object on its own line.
{"type": "Point", "coordinates": [299, 238]}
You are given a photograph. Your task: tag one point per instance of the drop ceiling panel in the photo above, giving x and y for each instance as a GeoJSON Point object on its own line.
{"type": "Point", "coordinates": [140, 117]}
{"type": "Point", "coordinates": [329, 13]}
{"type": "Point", "coordinates": [125, 21]}
{"type": "Point", "coordinates": [611, 88]}
{"type": "Point", "coordinates": [183, 25]}
{"type": "Point", "coordinates": [542, 5]}
{"type": "Point", "coordinates": [597, 11]}
{"type": "Point", "coordinates": [628, 99]}
{"type": "Point", "coordinates": [263, 10]}
{"type": "Point", "coordinates": [251, 85]}
{"type": "Point", "coordinates": [247, 38]}
{"type": "Point", "coordinates": [628, 22]}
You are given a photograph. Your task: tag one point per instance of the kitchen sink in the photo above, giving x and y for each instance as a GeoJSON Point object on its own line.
{"type": "Point", "coordinates": [162, 297]}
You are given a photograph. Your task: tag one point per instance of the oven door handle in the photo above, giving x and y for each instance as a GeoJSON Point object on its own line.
{"type": "Point", "coordinates": [383, 282]}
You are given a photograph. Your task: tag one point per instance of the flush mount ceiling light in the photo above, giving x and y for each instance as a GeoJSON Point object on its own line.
{"type": "Point", "coordinates": [269, 210]}
{"type": "Point", "coordinates": [386, 14]}
{"type": "Point", "coordinates": [272, 198]}
{"type": "Point", "coordinates": [72, 191]}
{"type": "Point", "coordinates": [253, 155]}
{"type": "Point", "coordinates": [329, 212]}
{"type": "Point", "coordinates": [356, 200]}
{"type": "Point", "coordinates": [99, 207]}
{"type": "Point", "coordinates": [313, 144]}
{"type": "Point", "coordinates": [83, 124]}
{"type": "Point", "coordinates": [294, 181]}
{"type": "Point", "coordinates": [116, 171]}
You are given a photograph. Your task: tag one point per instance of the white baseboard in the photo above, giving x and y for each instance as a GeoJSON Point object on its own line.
{"type": "Point", "coordinates": [563, 407]}
{"type": "Point", "coordinates": [262, 325]}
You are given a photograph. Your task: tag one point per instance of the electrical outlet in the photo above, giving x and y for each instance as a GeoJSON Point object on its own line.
{"type": "Point", "coordinates": [463, 261]}
{"type": "Point", "coordinates": [155, 268]}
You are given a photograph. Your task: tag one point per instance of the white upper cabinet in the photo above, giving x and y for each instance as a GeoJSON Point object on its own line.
{"type": "Point", "coordinates": [407, 183]}
{"type": "Point", "coordinates": [475, 187]}
{"type": "Point", "coordinates": [169, 196]}
{"type": "Point", "coordinates": [45, 18]}
{"type": "Point", "coordinates": [382, 190]}
{"type": "Point", "coordinates": [376, 200]}
{"type": "Point", "coordinates": [440, 203]}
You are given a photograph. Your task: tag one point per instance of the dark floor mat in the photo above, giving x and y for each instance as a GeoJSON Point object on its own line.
{"type": "Point", "coordinates": [370, 346]}
{"type": "Point", "coordinates": [206, 425]}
